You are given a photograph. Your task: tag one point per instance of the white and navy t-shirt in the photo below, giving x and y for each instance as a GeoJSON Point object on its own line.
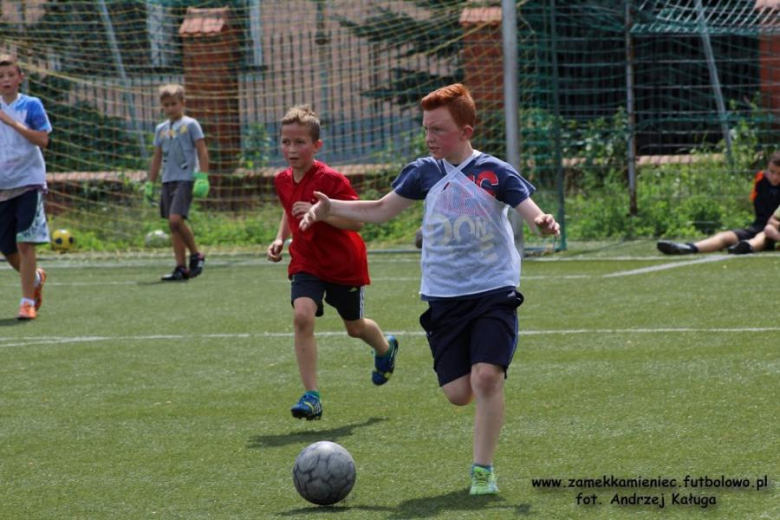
{"type": "Point", "coordinates": [468, 244]}
{"type": "Point", "coordinates": [179, 152]}
{"type": "Point", "coordinates": [21, 162]}
{"type": "Point", "coordinates": [498, 178]}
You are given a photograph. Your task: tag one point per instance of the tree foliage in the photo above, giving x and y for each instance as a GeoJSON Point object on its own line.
{"type": "Point", "coordinates": [400, 35]}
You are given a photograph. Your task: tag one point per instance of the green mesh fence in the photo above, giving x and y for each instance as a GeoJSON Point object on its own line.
{"type": "Point", "coordinates": [638, 118]}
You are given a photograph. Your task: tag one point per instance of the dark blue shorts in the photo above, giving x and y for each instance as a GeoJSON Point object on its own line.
{"type": "Point", "coordinates": [463, 332]}
{"type": "Point", "coordinates": [17, 215]}
{"type": "Point", "coordinates": [348, 300]}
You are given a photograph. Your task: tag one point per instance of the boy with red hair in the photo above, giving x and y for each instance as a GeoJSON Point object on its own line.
{"type": "Point", "coordinates": [470, 266]}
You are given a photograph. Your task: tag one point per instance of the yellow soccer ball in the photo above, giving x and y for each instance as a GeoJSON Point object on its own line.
{"type": "Point", "coordinates": [62, 240]}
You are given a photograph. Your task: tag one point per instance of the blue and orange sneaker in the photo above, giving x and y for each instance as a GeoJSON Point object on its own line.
{"type": "Point", "coordinates": [385, 365]}
{"type": "Point", "coordinates": [308, 407]}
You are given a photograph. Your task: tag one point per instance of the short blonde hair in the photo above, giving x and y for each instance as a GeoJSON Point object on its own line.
{"type": "Point", "coordinates": [304, 115]}
{"type": "Point", "coordinates": [8, 60]}
{"type": "Point", "coordinates": [172, 90]}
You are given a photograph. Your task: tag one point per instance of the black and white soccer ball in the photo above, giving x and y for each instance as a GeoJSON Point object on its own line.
{"type": "Point", "coordinates": [324, 473]}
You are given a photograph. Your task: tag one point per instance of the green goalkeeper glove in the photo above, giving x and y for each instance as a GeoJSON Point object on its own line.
{"type": "Point", "coordinates": [201, 187]}
{"type": "Point", "coordinates": [149, 191]}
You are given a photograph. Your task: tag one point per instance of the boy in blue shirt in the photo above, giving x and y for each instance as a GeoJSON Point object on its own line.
{"type": "Point", "coordinates": [470, 266]}
{"type": "Point", "coordinates": [24, 130]}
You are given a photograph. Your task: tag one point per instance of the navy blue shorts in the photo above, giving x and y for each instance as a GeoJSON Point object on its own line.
{"type": "Point", "coordinates": [463, 332]}
{"type": "Point", "coordinates": [348, 300]}
{"type": "Point", "coordinates": [22, 216]}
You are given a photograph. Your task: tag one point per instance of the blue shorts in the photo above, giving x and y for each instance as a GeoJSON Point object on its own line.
{"type": "Point", "coordinates": [348, 300]}
{"type": "Point", "coordinates": [22, 219]}
{"type": "Point", "coordinates": [463, 332]}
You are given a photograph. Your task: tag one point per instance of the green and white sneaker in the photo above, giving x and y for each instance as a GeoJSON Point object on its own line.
{"type": "Point", "coordinates": [483, 482]}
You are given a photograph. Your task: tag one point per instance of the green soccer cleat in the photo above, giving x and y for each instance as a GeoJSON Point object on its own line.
{"type": "Point", "coordinates": [385, 366]}
{"type": "Point", "coordinates": [483, 482]}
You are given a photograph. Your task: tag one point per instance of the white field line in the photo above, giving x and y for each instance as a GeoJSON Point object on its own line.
{"type": "Point", "coordinates": [8, 342]}
{"type": "Point", "coordinates": [643, 270]}
{"type": "Point", "coordinates": [260, 260]}
{"type": "Point", "coordinates": [671, 265]}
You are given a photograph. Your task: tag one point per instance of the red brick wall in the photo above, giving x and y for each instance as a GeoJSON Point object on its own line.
{"type": "Point", "coordinates": [769, 51]}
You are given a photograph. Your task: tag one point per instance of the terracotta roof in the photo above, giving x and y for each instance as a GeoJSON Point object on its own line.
{"type": "Point", "coordinates": [480, 15]}
{"type": "Point", "coordinates": [205, 21]}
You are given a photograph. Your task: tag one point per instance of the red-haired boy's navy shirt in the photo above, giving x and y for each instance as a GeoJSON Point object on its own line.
{"type": "Point", "coordinates": [496, 177]}
{"type": "Point", "coordinates": [329, 253]}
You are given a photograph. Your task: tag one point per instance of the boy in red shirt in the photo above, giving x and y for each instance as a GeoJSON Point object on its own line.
{"type": "Point", "coordinates": [328, 260]}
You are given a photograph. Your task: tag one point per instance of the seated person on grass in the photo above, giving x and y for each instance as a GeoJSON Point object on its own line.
{"type": "Point", "coordinates": [751, 239]}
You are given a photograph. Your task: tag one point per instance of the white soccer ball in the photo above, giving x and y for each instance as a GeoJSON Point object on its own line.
{"type": "Point", "coordinates": [324, 473]}
{"type": "Point", "coordinates": [157, 238]}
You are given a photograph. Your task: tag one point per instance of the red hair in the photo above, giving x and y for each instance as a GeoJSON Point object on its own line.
{"type": "Point", "coordinates": [458, 101]}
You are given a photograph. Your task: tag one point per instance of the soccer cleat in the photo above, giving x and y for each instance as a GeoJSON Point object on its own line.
{"type": "Point", "coordinates": [178, 275]}
{"type": "Point", "coordinates": [483, 482]}
{"type": "Point", "coordinates": [742, 247]}
{"type": "Point", "coordinates": [308, 407]}
{"type": "Point", "coordinates": [39, 289]}
{"type": "Point", "coordinates": [675, 248]}
{"type": "Point", "coordinates": [385, 365]}
{"type": "Point", "coordinates": [26, 312]}
{"type": "Point", "coordinates": [197, 263]}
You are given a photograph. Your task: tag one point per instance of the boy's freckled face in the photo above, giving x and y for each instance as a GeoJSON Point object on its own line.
{"type": "Point", "coordinates": [298, 147]}
{"type": "Point", "coordinates": [772, 174]}
{"type": "Point", "coordinates": [10, 80]}
{"type": "Point", "coordinates": [173, 107]}
{"type": "Point", "coordinates": [442, 134]}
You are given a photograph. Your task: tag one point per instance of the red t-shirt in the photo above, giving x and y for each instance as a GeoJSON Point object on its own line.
{"type": "Point", "coordinates": [329, 253]}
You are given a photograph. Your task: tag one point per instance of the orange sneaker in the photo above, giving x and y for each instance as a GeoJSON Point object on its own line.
{"type": "Point", "coordinates": [39, 290]}
{"type": "Point", "coordinates": [26, 312]}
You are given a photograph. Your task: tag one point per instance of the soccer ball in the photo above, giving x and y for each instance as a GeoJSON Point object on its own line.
{"type": "Point", "coordinates": [62, 240]}
{"type": "Point", "coordinates": [324, 473]}
{"type": "Point", "coordinates": [156, 238]}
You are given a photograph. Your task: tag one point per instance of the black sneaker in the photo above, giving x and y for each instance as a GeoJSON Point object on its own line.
{"type": "Point", "coordinates": [178, 275]}
{"type": "Point", "coordinates": [197, 262]}
{"type": "Point", "coordinates": [675, 248]}
{"type": "Point", "coordinates": [742, 247]}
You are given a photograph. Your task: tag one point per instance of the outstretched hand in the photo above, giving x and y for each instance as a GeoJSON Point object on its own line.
{"type": "Point", "coordinates": [317, 213]}
{"type": "Point", "coordinates": [547, 225]}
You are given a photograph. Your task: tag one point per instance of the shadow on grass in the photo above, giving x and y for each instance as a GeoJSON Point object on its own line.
{"type": "Point", "coordinates": [455, 501]}
{"type": "Point", "coordinates": [10, 322]}
{"type": "Point", "coordinates": [308, 436]}
{"type": "Point", "coordinates": [334, 509]}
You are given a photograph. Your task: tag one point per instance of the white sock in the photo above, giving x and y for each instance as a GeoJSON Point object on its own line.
{"type": "Point", "coordinates": [37, 278]}
{"type": "Point", "coordinates": [26, 300]}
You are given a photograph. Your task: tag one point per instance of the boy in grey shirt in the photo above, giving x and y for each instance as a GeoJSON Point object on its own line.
{"type": "Point", "coordinates": [180, 149]}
